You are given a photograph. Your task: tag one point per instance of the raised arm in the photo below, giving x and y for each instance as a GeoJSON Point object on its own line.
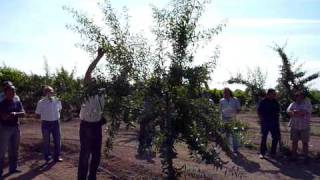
{"type": "Point", "coordinates": [87, 77]}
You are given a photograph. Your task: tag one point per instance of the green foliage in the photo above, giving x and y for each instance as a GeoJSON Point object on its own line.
{"type": "Point", "coordinates": [185, 114]}
{"type": "Point", "coordinates": [315, 100]}
{"type": "Point", "coordinates": [243, 97]}
{"type": "Point", "coordinates": [291, 79]}
{"type": "Point", "coordinates": [216, 95]}
{"type": "Point", "coordinates": [127, 61]}
{"type": "Point", "coordinates": [68, 88]}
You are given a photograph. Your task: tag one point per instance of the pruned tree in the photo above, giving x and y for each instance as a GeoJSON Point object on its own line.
{"type": "Point", "coordinates": [291, 78]}
{"type": "Point", "coordinates": [183, 113]}
{"type": "Point", "coordinates": [172, 85]}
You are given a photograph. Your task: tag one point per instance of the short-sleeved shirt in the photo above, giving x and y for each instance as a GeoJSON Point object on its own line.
{"type": "Point", "coordinates": [300, 123]}
{"type": "Point", "coordinates": [49, 109]}
{"type": "Point", "coordinates": [6, 107]}
{"type": "Point", "coordinates": [92, 108]}
{"type": "Point", "coordinates": [269, 112]}
{"type": "Point", "coordinates": [229, 108]}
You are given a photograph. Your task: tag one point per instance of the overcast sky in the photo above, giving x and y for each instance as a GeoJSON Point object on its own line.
{"type": "Point", "coordinates": [34, 29]}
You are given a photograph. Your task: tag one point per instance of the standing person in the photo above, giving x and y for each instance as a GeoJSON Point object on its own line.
{"type": "Point", "coordinates": [300, 113]}
{"type": "Point", "coordinates": [268, 111]}
{"type": "Point", "coordinates": [10, 111]}
{"type": "Point", "coordinates": [2, 96]}
{"type": "Point", "coordinates": [91, 128]}
{"type": "Point", "coordinates": [48, 110]}
{"type": "Point", "coordinates": [229, 107]}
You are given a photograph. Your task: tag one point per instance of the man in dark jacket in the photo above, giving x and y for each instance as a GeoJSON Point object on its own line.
{"type": "Point", "coordinates": [268, 111]}
{"type": "Point", "coordinates": [10, 111]}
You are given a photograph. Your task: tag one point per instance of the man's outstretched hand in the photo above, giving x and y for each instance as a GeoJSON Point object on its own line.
{"type": "Point", "coordinates": [92, 66]}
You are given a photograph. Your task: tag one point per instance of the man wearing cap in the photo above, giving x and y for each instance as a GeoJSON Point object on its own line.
{"type": "Point", "coordinates": [10, 111]}
{"type": "Point", "coordinates": [2, 96]}
{"type": "Point", "coordinates": [48, 110]}
{"type": "Point", "coordinates": [91, 127]}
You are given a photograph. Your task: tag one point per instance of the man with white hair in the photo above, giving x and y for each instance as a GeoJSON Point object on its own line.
{"type": "Point", "coordinates": [48, 110]}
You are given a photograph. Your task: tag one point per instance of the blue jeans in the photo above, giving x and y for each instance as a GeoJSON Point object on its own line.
{"type": "Point", "coordinates": [48, 128]}
{"type": "Point", "coordinates": [9, 139]}
{"type": "Point", "coordinates": [232, 139]}
{"type": "Point", "coordinates": [90, 145]}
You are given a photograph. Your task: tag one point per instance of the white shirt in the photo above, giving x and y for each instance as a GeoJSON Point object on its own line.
{"type": "Point", "coordinates": [92, 109]}
{"type": "Point", "coordinates": [229, 108]}
{"type": "Point", "coordinates": [49, 110]}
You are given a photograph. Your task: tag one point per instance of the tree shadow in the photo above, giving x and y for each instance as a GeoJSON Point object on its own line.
{"type": "Point", "coordinates": [35, 170]}
{"type": "Point", "coordinates": [297, 169]}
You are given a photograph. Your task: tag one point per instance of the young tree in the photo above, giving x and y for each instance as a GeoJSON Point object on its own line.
{"type": "Point", "coordinates": [291, 79]}
{"type": "Point", "coordinates": [185, 115]}
{"type": "Point", "coordinates": [174, 86]}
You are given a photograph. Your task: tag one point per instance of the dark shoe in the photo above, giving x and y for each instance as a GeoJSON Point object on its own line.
{"type": "Point", "coordinates": [48, 158]}
{"type": "Point", "coordinates": [14, 171]}
{"type": "Point", "coordinates": [273, 155]}
{"type": "Point", "coordinates": [91, 177]}
{"type": "Point", "coordinates": [235, 154]}
{"type": "Point", "coordinates": [59, 159]}
{"type": "Point", "coordinates": [293, 159]}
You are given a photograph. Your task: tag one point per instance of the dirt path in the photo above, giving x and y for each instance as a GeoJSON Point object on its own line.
{"type": "Point", "coordinates": [125, 165]}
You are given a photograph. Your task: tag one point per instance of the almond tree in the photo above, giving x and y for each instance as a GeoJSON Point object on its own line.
{"type": "Point", "coordinates": [291, 79]}
{"type": "Point", "coordinates": [172, 85]}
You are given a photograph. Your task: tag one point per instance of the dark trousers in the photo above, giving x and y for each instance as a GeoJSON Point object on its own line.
{"type": "Point", "coordinates": [48, 128]}
{"type": "Point", "coordinates": [9, 140]}
{"type": "Point", "coordinates": [275, 134]}
{"type": "Point", "coordinates": [90, 144]}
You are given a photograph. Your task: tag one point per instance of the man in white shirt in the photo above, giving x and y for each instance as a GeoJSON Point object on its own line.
{"type": "Point", "coordinates": [48, 110]}
{"type": "Point", "coordinates": [91, 128]}
{"type": "Point", "coordinates": [229, 107]}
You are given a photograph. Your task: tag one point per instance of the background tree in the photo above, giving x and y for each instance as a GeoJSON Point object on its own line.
{"type": "Point", "coordinates": [254, 81]}
{"type": "Point", "coordinates": [291, 79]}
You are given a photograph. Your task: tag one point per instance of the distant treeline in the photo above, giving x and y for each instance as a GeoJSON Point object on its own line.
{"type": "Point", "coordinates": [68, 88]}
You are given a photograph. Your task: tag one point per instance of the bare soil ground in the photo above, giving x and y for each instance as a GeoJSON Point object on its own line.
{"type": "Point", "coordinates": [124, 165]}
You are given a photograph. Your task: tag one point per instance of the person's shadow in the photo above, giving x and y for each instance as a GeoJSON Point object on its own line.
{"type": "Point", "coordinates": [246, 164]}
{"type": "Point", "coordinates": [297, 169]}
{"type": "Point", "coordinates": [34, 171]}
